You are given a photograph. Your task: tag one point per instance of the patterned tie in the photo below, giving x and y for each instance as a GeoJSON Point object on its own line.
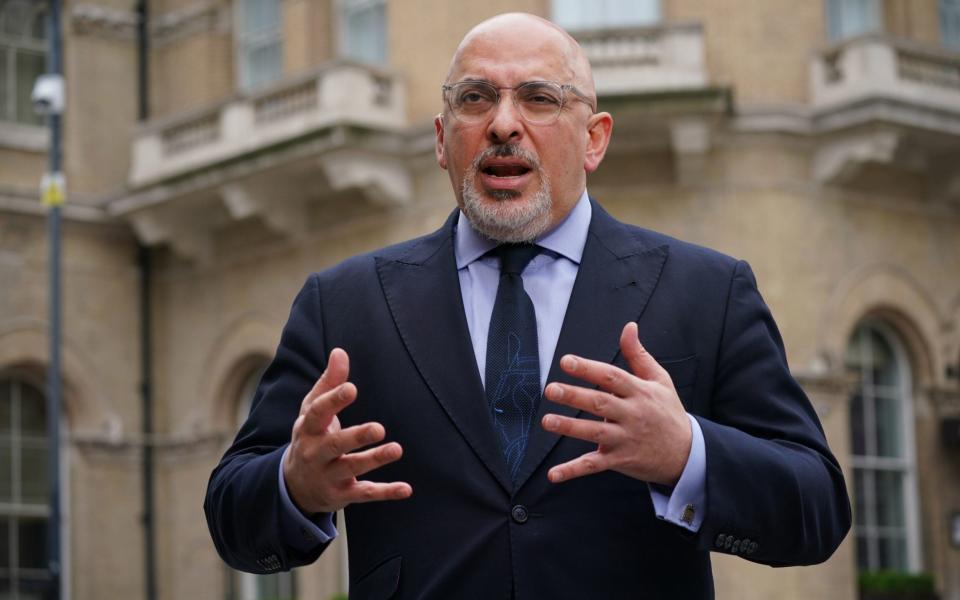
{"type": "Point", "coordinates": [513, 360]}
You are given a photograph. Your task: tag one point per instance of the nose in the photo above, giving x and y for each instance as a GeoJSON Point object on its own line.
{"type": "Point", "coordinates": [506, 124]}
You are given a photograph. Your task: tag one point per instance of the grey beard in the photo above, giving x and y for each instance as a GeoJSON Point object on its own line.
{"type": "Point", "coordinates": [507, 219]}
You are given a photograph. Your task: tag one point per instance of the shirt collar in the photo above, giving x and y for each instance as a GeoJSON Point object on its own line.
{"type": "Point", "coordinates": [566, 239]}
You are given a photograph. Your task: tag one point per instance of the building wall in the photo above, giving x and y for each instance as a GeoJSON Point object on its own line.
{"type": "Point", "coordinates": [825, 256]}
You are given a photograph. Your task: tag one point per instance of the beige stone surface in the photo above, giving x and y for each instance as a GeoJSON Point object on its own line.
{"type": "Point", "coordinates": [761, 48]}
{"type": "Point", "coordinates": [98, 128]}
{"type": "Point", "coordinates": [308, 34]}
{"type": "Point", "coordinates": [22, 169]}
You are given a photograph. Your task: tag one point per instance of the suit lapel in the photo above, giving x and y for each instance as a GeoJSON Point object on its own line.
{"type": "Point", "coordinates": [616, 278]}
{"type": "Point", "coordinates": [422, 289]}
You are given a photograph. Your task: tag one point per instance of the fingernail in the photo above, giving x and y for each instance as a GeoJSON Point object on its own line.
{"type": "Point", "coordinates": [549, 421]}
{"type": "Point", "coordinates": [556, 392]}
{"type": "Point", "coordinates": [569, 363]}
{"type": "Point", "coordinates": [557, 476]}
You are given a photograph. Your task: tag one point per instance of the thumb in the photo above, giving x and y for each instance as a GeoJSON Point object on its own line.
{"type": "Point", "coordinates": [641, 362]}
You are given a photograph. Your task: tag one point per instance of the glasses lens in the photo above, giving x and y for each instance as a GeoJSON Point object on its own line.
{"type": "Point", "coordinates": [539, 101]}
{"type": "Point", "coordinates": [472, 99]}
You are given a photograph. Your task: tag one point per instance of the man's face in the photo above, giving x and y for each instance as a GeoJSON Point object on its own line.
{"type": "Point", "coordinates": [515, 179]}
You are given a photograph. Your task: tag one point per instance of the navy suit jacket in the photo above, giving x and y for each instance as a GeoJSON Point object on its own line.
{"type": "Point", "coordinates": [775, 493]}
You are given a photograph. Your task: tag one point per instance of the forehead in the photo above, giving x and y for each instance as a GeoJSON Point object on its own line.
{"type": "Point", "coordinates": [509, 57]}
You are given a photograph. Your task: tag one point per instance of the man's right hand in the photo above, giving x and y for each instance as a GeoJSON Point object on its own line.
{"type": "Point", "coordinates": [321, 468]}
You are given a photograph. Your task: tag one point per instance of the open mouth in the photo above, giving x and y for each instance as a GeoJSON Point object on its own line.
{"type": "Point", "coordinates": [501, 168]}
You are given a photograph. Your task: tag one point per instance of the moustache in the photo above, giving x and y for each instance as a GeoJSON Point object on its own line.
{"type": "Point", "coordinates": [504, 151]}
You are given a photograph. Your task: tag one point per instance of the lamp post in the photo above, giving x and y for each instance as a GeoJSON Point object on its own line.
{"type": "Point", "coordinates": [48, 99]}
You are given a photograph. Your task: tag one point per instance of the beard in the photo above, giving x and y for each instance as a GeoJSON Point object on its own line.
{"type": "Point", "coordinates": [502, 215]}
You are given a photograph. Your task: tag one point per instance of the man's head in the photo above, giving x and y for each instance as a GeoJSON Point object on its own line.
{"type": "Point", "coordinates": [519, 165]}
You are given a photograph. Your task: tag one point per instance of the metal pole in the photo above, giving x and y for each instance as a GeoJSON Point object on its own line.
{"type": "Point", "coordinates": [54, 562]}
{"type": "Point", "coordinates": [146, 327]}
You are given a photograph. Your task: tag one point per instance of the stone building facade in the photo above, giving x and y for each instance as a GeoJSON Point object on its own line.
{"type": "Point", "coordinates": [818, 140]}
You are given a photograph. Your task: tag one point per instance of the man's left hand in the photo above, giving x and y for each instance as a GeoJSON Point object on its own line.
{"type": "Point", "coordinates": [645, 432]}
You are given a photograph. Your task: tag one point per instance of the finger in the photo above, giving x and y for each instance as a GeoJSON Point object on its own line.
{"type": "Point", "coordinates": [360, 463]}
{"type": "Point", "coordinates": [599, 432]}
{"type": "Point", "coordinates": [321, 411]}
{"type": "Point", "coordinates": [610, 378]}
{"type": "Point", "coordinates": [597, 402]}
{"type": "Point", "coordinates": [638, 359]}
{"type": "Point", "coordinates": [588, 464]}
{"type": "Point", "coordinates": [336, 373]}
{"type": "Point", "coordinates": [338, 443]}
{"type": "Point", "coordinates": [371, 491]}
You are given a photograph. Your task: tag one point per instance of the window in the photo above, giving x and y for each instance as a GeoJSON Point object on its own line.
{"type": "Point", "coordinates": [24, 508]}
{"type": "Point", "coordinates": [22, 58]}
{"type": "Point", "coordinates": [246, 586]}
{"type": "Point", "coordinates": [881, 418]}
{"type": "Point", "coordinates": [259, 42]}
{"type": "Point", "coordinates": [599, 14]}
{"type": "Point", "coordinates": [363, 30]}
{"type": "Point", "coordinates": [950, 23]}
{"type": "Point", "coordinates": [847, 18]}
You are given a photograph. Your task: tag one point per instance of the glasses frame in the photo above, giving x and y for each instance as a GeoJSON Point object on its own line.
{"type": "Point", "coordinates": [565, 88]}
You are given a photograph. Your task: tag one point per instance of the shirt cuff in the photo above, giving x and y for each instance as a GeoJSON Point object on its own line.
{"type": "Point", "coordinates": [298, 530]}
{"type": "Point", "coordinates": [685, 505]}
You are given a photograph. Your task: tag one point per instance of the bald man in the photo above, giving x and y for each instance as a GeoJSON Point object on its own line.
{"type": "Point", "coordinates": [535, 401]}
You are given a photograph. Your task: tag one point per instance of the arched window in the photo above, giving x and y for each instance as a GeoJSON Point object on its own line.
{"type": "Point", "coordinates": [884, 463]}
{"type": "Point", "coordinates": [245, 586]}
{"type": "Point", "coordinates": [24, 508]}
{"type": "Point", "coordinates": [22, 58]}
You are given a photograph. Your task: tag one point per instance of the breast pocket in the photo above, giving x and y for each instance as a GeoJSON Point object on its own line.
{"type": "Point", "coordinates": [683, 371]}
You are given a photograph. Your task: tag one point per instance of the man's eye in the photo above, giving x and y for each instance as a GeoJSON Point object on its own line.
{"type": "Point", "coordinates": [541, 98]}
{"type": "Point", "coordinates": [474, 97]}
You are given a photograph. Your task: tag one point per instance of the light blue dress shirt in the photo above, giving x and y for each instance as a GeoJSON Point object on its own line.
{"type": "Point", "coordinates": [548, 280]}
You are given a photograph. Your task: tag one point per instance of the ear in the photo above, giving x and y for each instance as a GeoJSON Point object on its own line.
{"type": "Point", "coordinates": [439, 149]}
{"type": "Point", "coordinates": [599, 129]}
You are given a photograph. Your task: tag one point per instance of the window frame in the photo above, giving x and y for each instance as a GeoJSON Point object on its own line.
{"type": "Point", "coordinates": [12, 46]}
{"type": "Point", "coordinates": [948, 13]}
{"type": "Point", "coordinates": [245, 42]}
{"type": "Point", "coordinates": [563, 14]}
{"type": "Point", "coordinates": [836, 15]}
{"type": "Point", "coordinates": [870, 465]}
{"type": "Point", "coordinates": [347, 8]}
{"type": "Point", "coordinates": [16, 509]}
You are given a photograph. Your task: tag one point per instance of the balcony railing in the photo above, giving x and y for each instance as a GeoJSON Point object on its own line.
{"type": "Point", "coordinates": [877, 67]}
{"type": "Point", "coordinates": [339, 93]}
{"type": "Point", "coordinates": [659, 58]}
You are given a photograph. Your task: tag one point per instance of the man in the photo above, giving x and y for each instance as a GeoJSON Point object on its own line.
{"type": "Point", "coordinates": [670, 426]}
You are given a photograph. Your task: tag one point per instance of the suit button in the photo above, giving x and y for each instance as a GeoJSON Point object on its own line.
{"type": "Point", "coordinates": [721, 540]}
{"type": "Point", "coordinates": [736, 546]}
{"type": "Point", "coordinates": [519, 513]}
{"type": "Point", "coordinates": [728, 542]}
{"type": "Point", "coordinates": [752, 548]}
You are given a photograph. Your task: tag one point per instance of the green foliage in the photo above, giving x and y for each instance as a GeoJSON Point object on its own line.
{"type": "Point", "coordinates": [896, 581]}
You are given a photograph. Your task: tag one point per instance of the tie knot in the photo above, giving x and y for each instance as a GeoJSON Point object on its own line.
{"type": "Point", "coordinates": [514, 258]}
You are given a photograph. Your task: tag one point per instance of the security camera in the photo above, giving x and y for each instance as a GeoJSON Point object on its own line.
{"type": "Point", "coordinates": [47, 95]}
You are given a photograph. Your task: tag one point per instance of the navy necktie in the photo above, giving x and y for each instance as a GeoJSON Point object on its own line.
{"type": "Point", "coordinates": [513, 360]}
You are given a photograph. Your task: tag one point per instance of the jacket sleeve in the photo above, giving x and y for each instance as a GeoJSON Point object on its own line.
{"type": "Point", "coordinates": [775, 492]}
{"type": "Point", "coordinates": [243, 504]}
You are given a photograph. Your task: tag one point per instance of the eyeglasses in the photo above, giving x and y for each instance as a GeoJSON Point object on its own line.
{"type": "Point", "coordinates": [538, 102]}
